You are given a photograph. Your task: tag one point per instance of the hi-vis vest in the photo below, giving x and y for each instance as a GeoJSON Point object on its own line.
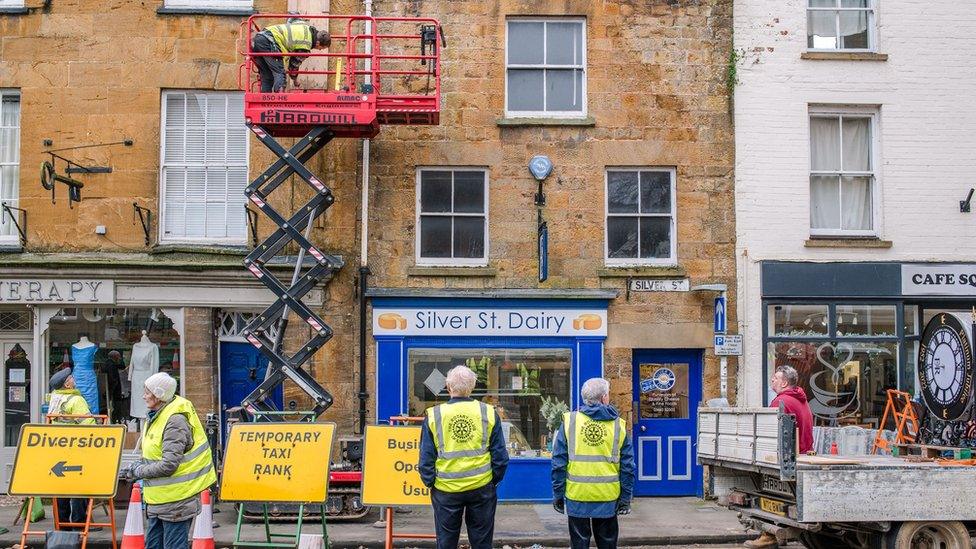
{"type": "Point", "coordinates": [461, 431]}
{"type": "Point", "coordinates": [292, 37]}
{"type": "Point", "coordinates": [593, 472]}
{"type": "Point", "coordinates": [195, 473]}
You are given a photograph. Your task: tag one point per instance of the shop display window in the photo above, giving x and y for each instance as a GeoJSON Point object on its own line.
{"type": "Point", "coordinates": [798, 320]}
{"type": "Point", "coordinates": [866, 320]}
{"type": "Point", "coordinates": [120, 359]}
{"type": "Point", "coordinates": [530, 388]}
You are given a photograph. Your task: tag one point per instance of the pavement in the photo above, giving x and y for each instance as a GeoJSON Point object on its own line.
{"type": "Point", "coordinates": [654, 522]}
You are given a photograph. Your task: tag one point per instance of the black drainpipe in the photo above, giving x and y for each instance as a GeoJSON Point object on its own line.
{"type": "Point", "coordinates": [363, 395]}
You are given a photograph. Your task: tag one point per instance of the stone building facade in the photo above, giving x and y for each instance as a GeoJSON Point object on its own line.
{"type": "Point", "coordinates": [634, 99]}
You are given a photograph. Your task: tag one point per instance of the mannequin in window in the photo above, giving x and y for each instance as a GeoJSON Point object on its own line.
{"type": "Point", "coordinates": [83, 357]}
{"type": "Point", "coordinates": [143, 363]}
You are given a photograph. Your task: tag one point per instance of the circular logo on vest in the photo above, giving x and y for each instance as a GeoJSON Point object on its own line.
{"type": "Point", "coordinates": [461, 428]}
{"type": "Point", "coordinates": [594, 434]}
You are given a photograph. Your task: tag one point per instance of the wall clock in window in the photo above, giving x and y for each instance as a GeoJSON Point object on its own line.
{"type": "Point", "coordinates": [945, 365]}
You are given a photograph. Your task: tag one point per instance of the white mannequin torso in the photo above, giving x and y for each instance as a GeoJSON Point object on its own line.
{"type": "Point", "coordinates": [83, 343]}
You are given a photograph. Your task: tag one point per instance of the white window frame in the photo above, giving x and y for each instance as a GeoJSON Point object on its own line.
{"type": "Point", "coordinates": [872, 27]}
{"type": "Point", "coordinates": [162, 237]}
{"type": "Point", "coordinates": [639, 261]}
{"type": "Point", "coordinates": [13, 238]}
{"type": "Point", "coordinates": [210, 5]}
{"type": "Point", "coordinates": [871, 113]}
{"type": "Point", "coordinates": [543, 66]}
{"type": "Point", "coordinates": [450, 261]}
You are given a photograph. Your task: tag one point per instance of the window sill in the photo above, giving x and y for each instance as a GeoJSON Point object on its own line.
{"type": "Point", "coordinates": [588, 121]}
{"type": "Point", "coordinates": [14, 11]}
{"type": "Point", "coordinates": [424, 270]}
{"type": "Point", "coordinates": [205, 11]}
{"type": "Point", "coordinates": [11, 248]}
{"type": "Point", "coordinates": [648, 272]}
{"type": "Point", "coordinates": [176, 248]}
{"type": "Point", "coordinates": [822, 242]}
{"type": "Point", "coordinates": [844, 56]}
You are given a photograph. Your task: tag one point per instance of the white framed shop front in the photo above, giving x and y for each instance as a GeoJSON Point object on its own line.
{"type": "Point", "coordinates": [45, 315]}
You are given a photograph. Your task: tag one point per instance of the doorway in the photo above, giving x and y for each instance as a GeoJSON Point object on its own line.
{"type": "Point", "coordinates": [242, 369]}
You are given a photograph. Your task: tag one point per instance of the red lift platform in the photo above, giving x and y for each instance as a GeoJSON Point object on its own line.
{"type": "Point", "coordinates": [378, 71]}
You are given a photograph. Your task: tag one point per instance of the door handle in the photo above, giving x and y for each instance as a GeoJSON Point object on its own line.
{"type": "Point", "coordinates": [643, 428]}
{"type": "Point", "coordinates": [252, 373]}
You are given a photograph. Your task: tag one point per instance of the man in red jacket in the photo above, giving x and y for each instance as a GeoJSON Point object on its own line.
{"type": "Point", "coordinates": [794, 401]}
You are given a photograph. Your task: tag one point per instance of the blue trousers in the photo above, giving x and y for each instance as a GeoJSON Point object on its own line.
{"type": "Point", "coordinates": [161, 534]}
{"type": "Point", "coordinates": [72, 510]}
{"type": "Point", "coordinates": [476, 507]}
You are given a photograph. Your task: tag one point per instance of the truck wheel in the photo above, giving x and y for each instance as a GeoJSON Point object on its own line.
{"type": "Point", "coordinates": [930, 535]}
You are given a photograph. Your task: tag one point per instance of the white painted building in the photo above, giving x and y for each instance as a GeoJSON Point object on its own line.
{"type": "Point", "coordinates": [852, 157]}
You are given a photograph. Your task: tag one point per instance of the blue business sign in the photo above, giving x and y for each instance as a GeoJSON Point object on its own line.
{"type": "Point", "coordinates": [720, 315]}
{"type": "Point", "coordinates": [540, 166]}
{"type": "Point", "coordinates": [543, 251]}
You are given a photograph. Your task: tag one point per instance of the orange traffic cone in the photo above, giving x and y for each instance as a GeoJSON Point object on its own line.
{"type": "Point", "coordinates": [134, 535]}
{"type": "Point", "coordinates": [203, 537]}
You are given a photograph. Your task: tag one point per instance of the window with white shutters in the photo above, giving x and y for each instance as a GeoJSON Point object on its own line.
{"type": "Point", "coordinates": [204, 167]}
{"type": "Point", "coordinates": [215, 5]}
{"type": "Point", "coordinates": [9, 161]}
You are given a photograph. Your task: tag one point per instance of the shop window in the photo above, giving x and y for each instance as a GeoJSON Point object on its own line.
{"type": "Point", "coordinates": [9, 159]}
{"type": "Point", "coordinates": [204, 167]}
{"type": "Point", "coordinates": [846, 382]}
{"type": "Point", "coordinates": [121, 358]}
{"type": "Point", "coordinates": [452, 213]}
{"type": "Point", "coordinates": [640, 217]}
{"type": "Point", "coordinates": [546, 68]}
{"type": "Point", "coordinates": [214, 5]}
{"type": "Point", "coordinates": [798, 320]}
{"type": "Point", "coordinates": [911, 320]}
{"type": "Point", "coordinates": [866, 320]}
{"type": "Point", "coordinates": [842, 178]}
{"type": "Point", "coordinates": [529, 387]}
{"type": "Point", "coordinates": [840, 25]}
{"type": "Point", "coordinates": [15, 321]}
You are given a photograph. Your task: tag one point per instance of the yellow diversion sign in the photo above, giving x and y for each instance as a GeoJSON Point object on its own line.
{"type": "Point", "coordinates": [390, 475]}
{"type": "Point", "coordinates": [280, 462]}
{"type": "Point", "coordinates": [67, 460]}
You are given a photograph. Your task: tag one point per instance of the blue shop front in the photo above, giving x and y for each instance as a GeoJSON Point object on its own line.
{"type": "Point", "coordinates": [531, 355]}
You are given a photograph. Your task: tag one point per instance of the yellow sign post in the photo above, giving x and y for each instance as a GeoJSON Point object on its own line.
{"type": "Point", "coordinates": [67, 460]}
{"type": "Point", "coordinates": [277, 462]}
{"type": "Point", "coordinates": [390, 475]}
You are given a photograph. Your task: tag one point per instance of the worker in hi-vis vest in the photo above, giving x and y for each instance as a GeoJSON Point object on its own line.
{"type": "Point", "coordinates": [65, 400]}
{"type": "Point", "coordinates": [291, 37]}
{"type": "Point", "coordinates": [176, 464]}
{"type": "Point", "coordinates": [462, 460]}
{"type": "Point", "coordinates": [593, 468]}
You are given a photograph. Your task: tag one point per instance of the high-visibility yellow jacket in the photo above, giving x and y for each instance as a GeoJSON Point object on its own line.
{"type": "Point", "coordinates": [195, 472]}
{"type": "Point", "coordinates": [68, 402]}
{"type": "Point", "coordinates": [461, 434]}
{"type": "Point", "coordinates": [593, 471]}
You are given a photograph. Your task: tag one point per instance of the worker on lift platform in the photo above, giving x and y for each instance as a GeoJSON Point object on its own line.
{"type": "Point", "coordinates": [291, 37]}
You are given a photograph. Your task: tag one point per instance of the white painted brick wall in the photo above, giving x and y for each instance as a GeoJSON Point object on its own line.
{"type": "Point", "coordinates": [926, 93]}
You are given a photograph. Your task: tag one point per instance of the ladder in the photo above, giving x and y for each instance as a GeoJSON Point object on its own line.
{"type": "Point", "coordinates": [898, 408]}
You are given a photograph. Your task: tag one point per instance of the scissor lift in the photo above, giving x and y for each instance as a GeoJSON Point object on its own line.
{"type": "Point", "coordinates": [380, 71]}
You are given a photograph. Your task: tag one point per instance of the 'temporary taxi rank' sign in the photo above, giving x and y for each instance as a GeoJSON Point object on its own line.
{"type": "Point", "coordinates": [280, 462]}
{"type": "Point", "coordinates": [390, 475]}
{"type": "Point", "coordinates": [67, 460]}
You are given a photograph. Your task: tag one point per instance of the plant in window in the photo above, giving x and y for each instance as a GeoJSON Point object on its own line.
{"type": "Point", "coordinates": [530, 380]}
{"type": "Point", "coordinates": [552, 410]}
{"type": "Point", "coordinates": [480, 367]}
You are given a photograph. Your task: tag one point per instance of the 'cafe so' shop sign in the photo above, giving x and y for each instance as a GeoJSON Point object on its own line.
{"type": "Point", "coordinates": [938, 280]}
{"type": "Point", "coordinates": [489, 322]}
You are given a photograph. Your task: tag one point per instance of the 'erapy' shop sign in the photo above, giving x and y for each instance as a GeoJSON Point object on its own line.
{"type": "Point", "coordinates": [944, 279]}
{"type": "Point", "coordinates": [489, 322]}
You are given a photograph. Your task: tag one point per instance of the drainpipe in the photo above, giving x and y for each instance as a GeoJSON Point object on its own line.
{"type": "Point", "coordinates": [364, 242]}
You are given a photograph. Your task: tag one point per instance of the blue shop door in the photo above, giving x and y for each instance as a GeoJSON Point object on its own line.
{"type": "Point", "coordinates": [668, 385]}
{"type": "Point", "coordinates": [242, 368]}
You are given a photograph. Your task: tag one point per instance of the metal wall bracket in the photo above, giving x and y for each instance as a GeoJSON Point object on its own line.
{"type": "Point", "coordinates": [20, 224]}
{"type": "Point", "coordinates": [145, 218]}
{"type": "Point", "coordinates": [252, 225]}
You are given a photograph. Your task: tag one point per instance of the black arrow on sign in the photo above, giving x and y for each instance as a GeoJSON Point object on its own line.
{"type": "Point", "coordinates": [62, 467]}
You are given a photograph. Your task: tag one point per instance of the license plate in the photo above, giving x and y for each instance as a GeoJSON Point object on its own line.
{"type": "Point", "coordinates": [772, 484]}
{"type": "Point", "coordinates": [772, 506]}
